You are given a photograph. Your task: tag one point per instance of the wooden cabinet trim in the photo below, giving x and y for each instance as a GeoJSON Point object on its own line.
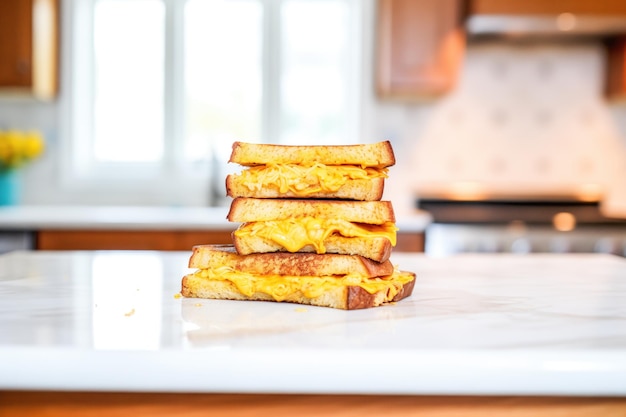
{"type": "Point", "coordinates": [178, 240]}
{"type": "Point", "coordinates": [57, 403]}
{"type": "Point", "coordinates": [173, 240]}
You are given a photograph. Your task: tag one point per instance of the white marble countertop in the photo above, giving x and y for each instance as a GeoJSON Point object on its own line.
{"type": "Point", "coordinates": [144, 218]}
{"type": "Point", "coordinates": [475, 324]}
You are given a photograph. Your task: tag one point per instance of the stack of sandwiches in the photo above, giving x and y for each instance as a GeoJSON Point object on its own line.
{"type": "Point", "coordinates": [313, 230]}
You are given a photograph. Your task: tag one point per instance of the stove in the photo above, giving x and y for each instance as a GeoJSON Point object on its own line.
{"type": "Point", "coordinates": [521, 226]}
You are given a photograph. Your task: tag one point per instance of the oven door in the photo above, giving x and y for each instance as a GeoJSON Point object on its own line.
{"type": "Point", "coordinates": [521, 227]}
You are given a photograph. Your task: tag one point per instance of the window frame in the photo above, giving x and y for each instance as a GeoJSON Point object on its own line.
{"type": "Point", "coordinates": [171, 181]}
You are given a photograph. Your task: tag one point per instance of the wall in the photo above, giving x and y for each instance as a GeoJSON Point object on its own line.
{"type": "Point", "coordinates": [24, 113]}
{"type": "Point", "coordinates": [526, 120]}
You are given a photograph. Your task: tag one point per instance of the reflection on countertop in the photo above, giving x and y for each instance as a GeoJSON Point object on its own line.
{"type": "Point", "coordinates": [475, 324]}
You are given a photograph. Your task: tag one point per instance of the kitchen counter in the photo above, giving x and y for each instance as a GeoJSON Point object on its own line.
{"type": "Point", "coordinates": [143, 218]}
{"type": "Point", "coordinates": [476, 325]}
{"type": "Point", "coordinates": [144, 228]}
{"type": "Point", "coordinates": [113, 217]}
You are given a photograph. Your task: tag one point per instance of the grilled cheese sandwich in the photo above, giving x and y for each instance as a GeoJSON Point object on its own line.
{"type": "Point", "coordinates": [313, 230]}
{"type": "Point", "coordinates": [280, 287]}
{"type": "Point", "coordinates": [354, 172]}
{"type": "Point", "coordinates": [365, 228]}
{"type": "Point", "coordinates": [296, 233]}
{"type": "Point", "coordinates": [358, 283]}
{"type": "Point", "coordinates": [301, 180]}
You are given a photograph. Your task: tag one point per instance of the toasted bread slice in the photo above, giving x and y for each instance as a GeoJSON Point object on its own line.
{"type": "Point", "coordinates": [295, 264]}
{"type": "Point", "coordinates": [346, 282]}
{"type": "Point", "coordinates": [370, 189]}
{"type": "Point", "coordinates": [341, 297]}
{"type": "Point", "coordinates": [375, 248]}
{"type": "Point", "coordinates": [378, 154]}
{"type": "Point", "coordinates": [258, 209]}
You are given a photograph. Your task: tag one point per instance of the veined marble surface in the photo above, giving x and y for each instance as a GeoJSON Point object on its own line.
{"type": "Point", "coordinates": [475, 324]}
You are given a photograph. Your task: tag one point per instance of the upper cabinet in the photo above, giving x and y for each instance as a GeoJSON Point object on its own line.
{"type": "Point", "coordinates": [615, 86]}
{"type": "Point", "coordinates": [420, 43]}
{"type": "Point", "coordinates": [420, 46]}
{"type": "Point", "coordinates": [29, 39]}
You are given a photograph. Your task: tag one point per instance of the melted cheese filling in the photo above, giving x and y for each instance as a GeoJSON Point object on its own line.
{"type": "Point", "coordinates": [296, 233]}
{"type": "Point", "coordinates": [280, 287]}
{"type": "Point", "coordinates": [305, 179]}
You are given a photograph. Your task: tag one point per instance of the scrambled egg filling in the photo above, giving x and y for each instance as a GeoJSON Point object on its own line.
{"type": "Point", "coordinates": [306, 179]}
{"type": "Point", "coordinates": [295, 233]}
{"type": "Point", "coordinates": [279, 287]}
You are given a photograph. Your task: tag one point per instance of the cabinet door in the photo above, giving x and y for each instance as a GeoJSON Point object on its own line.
{"type": "Point", "coordinates": [167, 240]}
{"type": "Point", "coordinates": [420, 47]}
{"type": "Point", "coordinates": [410, 242]}
{"type": "Point", "coordinates": [615, 84]}
{"type": "Point", "coordinates": [29, 47]}
{"type": "Point", "coordinates": [16, 39]}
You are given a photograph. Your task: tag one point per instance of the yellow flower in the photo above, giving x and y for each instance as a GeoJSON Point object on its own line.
{"type": "Point", "coordinates": [33, 144]}
{"type": "Point", "coordinates": [18, 148]}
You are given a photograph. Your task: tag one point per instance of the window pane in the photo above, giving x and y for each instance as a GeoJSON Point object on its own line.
{"type": "Point", "coordinates": [315, 59]}
{"type": "Point", "coordinates": [222, 73]}
{"type": "Point", "coordinates": [128, 80]}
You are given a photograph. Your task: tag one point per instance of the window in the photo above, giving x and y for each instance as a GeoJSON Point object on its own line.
{"type": "Point", "coordinates": [128, 80]}
{"type": "Point", "coordinates": [161, 88]}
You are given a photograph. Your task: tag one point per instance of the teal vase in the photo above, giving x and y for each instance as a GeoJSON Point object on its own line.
{"type": "Point", "coordinates": [9, 188]}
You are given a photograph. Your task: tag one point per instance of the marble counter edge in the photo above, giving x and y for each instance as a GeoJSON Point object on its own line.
{"type": "Point", "coordinates": [225, 370]}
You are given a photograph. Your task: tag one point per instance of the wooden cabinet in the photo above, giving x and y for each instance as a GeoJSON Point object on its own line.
{"type": "Point", "coordinates": [410, 242]}
{"type": "Point", "coordinates": [167, 240]}
{"type": "Point", "coordinates": [62, 403]}
{"type": "Point", "coordinates": [420, 46]}
{"type": "Point", "coordinates": [29, 47]}
{"type": "Point", "coordinates": [15, 43]}
{"type": "Point", "coordinates": [615, 86]}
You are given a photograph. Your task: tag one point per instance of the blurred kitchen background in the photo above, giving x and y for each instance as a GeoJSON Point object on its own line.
{"type": "Point", "coordinates": [507, 117]}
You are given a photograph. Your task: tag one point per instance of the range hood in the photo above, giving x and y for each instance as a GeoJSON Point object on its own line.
{"type": "Point", "coordinates": [533, 18]}
{"type": "Point", "coordinates": [563, 25]}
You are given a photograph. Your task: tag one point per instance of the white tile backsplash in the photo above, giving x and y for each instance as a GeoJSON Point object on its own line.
{"type": "Point", "coordinates": [525, 118]}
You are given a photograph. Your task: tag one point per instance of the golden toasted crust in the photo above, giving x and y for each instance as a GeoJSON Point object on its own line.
{"type": "Point", "coordinates": [346, 298]}
{"type": "Point", "coordinates": [284, 263]}
{"type": "Point", "coordinates": [361, 189]}
{"type": "Point", "coordinates": [378, 154]}
{"type": "Point", "coordinates": [358, 298]}
{"type": "Point", "coordinates": [262, 209]}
